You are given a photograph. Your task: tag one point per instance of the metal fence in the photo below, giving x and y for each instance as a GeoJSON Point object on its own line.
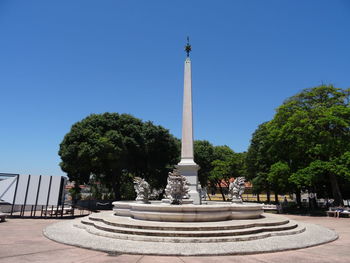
{"type": "Point", "coordinates": [35, 193]}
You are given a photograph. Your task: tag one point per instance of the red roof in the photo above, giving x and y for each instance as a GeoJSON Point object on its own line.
{"type": "Point", "coordinates": [223, 183]}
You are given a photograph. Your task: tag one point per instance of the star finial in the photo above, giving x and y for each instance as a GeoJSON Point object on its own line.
{"type": "Point", "coordinates": [188, 47]}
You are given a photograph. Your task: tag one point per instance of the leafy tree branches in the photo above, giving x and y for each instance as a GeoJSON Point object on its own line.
{"type": "Point", "coordinates": [111, 146]}
{"type": "Point", "coordinates": [305, 144]}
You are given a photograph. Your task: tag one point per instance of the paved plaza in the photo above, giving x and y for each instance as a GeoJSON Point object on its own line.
{"type": "Point", "coordinates": [22, 241]}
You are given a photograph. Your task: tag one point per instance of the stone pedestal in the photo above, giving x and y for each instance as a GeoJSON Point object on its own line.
{"type": "Point", "coordinates": [236, 200]}
{"type": "Point", "coordinates": [189, 169]}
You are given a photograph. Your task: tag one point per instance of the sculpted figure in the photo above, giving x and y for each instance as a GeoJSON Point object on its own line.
{"type": "Point", "coordinates": [177, 188]}
{"type": "Point", "coordinates": [155, 193]}
{"type": "Point", "coordinates": [142, 189]}
{"type": "Point", "coordinates": [236, 189]}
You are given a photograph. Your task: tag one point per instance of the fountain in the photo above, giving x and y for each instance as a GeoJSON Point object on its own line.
{"type": "Point", "coordinates": [183, 202]}
{"type": "Point", "coordinates": [178, 207]}
{"type": "Point", "coordinates": [183, 224]}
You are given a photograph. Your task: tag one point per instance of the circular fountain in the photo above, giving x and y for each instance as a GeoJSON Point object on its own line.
{"type": "Point", "coordinates": [206, 212]}
{"type": "Point", "coordinates": [181, 224]}
{"type": "Point", "coordinates": [177, 206]}
{"type": "Point", "coordinates": [176, 226]}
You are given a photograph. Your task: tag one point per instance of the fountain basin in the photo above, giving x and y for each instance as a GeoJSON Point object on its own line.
{"type": "Point", "coordinates": [207, 212]}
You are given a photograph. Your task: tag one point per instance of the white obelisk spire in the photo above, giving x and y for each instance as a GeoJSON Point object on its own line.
{"type": "Point", "coordinates": [187, 122]}
{"type": "Point", "coordinates": [187, 166]}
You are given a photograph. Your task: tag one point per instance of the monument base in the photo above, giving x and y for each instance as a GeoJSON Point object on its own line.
{"type": "Point", "coordinates": [189, 169]}
{"type": "Point", "coordinates": [237, 201]}
{"type": "Point", "coordinates": [196, 197]}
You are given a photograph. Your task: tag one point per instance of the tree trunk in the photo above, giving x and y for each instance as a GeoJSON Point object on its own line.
{"type": "Point", "coordinates": [116, 190]}
{"type": "Point", "coordinates": [76, 193]}
{"type": "Point", "coordinates": [222, 192]}
{"type": "Point", "coordinates": [268, 196]}
{"type": "Point", "coordinates": [338, 199]}
{"type": "Point", "coordinates": [298, 196]}
{"type": "Point", "coordinates": [276, 198]}
{"type": "Point", "coordinates": [209, 196]}
{"type": "Point", "coordinates": [258, 198]}
{"type": "Point", "coordinates": [314, 201]}
{"type": "Point", "coordinates": [116, 187]}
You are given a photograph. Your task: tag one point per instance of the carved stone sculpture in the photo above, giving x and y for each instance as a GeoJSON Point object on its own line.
{"type": "Point", "coordinates": [155, 193]}
{"type": "Point", "coordinates": [142, 190]}
{"type": "Point", "coordinates": [236, 189]}
{"type": "Point", "coordinates": [177, 188]}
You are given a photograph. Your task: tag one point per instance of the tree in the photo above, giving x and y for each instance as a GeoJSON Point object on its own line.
{"type": "Point", "coordinates": [310, 131]}
{"type": "Point", "coordinates": [112, 146]}
{"type": "Point", "coordinates": [305, 145]}
{"type": "Point", "coordinates": [278, 177]}
{"type": "Point", "coordinates": [259, 160]}
{"type": "Point", "coordinates": [203, 156]}
{"type": "Point", "coordinates": [227, 164]}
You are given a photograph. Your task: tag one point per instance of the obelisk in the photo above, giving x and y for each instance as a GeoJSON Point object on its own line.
{"type": "Point", "coordinates": [187, 166]}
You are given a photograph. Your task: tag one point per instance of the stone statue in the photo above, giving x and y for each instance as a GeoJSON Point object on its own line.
{"type": "Point", "coordinates": [188, 47]}
{"type": "Point", "coordinates": [154, 195]}
{"type": "Point", "coordinates": [236, 189]}
{"type": "Point", "coordinates": [142, 189]}
{"type": "Point", "coordinates": [177, 188]}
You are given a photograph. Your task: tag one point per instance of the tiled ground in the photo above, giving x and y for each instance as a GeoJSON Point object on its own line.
{"type": "Point", "coordinates": [21, 240]}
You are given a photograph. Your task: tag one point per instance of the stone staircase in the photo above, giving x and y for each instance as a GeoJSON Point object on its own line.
{"type": "Point", "coordinates": [126, 228]}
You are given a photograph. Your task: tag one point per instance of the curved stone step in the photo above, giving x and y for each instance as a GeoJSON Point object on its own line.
{"type": "Point", "coordinates": [126, 222]}
{"type": "Point", "coordinates": [193, 233]}
{"type": "Point", "coordinates": [176, 239]}
{"type": "Point", "coordinates": [72, 232]}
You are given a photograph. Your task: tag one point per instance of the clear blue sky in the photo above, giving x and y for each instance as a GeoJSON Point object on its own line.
{"type": "Point", "coordinates": [63, 60]}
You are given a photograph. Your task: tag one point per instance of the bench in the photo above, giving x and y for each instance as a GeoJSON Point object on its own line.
{"type": "Point", "coordinates": [345, 213]}
{"type": "Point", "coordinates": [333, 213]}
{"type": "Point", "coordinates": [54, 211]}
{"type": "Point", "coordinates": [2, 217]}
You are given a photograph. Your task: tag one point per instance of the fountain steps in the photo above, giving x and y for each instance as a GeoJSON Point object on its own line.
{"type": "Point", "coordinates": [127, 222]}
{"type": "Point", "coordinates": [201, 230]}
{"type": "Point", "coordinates": [197, 232]}
{"type": "Point", "coordinates": [190, 238]}
{"type": "Point", "coordinates": [74, 232]}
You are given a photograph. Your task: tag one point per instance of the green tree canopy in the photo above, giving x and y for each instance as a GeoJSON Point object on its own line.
{"type": "Point", "coordinates": [226, 165]}
{"type": "Point", "coordinates": [112, 146]}
{"type": "Point", "coordinates": [217, 164]}
{"type": "Point", "coordinates": [259, 160]}
{"type": "Point", "coordinates": [305, 143]}
{"type": "Point", "coordinates": [203, 156]}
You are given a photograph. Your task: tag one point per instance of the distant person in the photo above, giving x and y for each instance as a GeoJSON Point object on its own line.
{"type": "Point", "coordinates": [339, 210]}
{"type": "Point", "coordinates": [326, 203]}
{"type": "Point", "coordinates": [285, 204]}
